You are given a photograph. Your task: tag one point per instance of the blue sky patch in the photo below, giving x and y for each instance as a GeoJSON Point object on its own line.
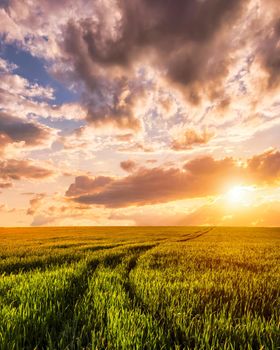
{"type": "Point", "coordinates": [34, 70]}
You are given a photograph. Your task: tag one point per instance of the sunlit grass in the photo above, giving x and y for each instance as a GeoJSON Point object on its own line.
{"type": "Point", "coordinates": [140, 288]}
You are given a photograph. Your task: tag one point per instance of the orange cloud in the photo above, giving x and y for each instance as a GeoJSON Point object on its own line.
{"type": "Point", "coordinates": [22, 169]}
{"type": "Point", "coordinates": [157, 185]}
{"type": "Point", "coordinates": [265, 167]}
{"type": "Point", "coordinates": [128, 165]}
{"type": "Point", "coordinates": [5, 184]}
{"type": "Point", "coordinates": [34, 203]}
{"type": "Point", "coordinates": [85, 184]}
{"type": "Point", "coordinates": [189, 138]}
{"type": "Point", "coordinates": [200, 177]}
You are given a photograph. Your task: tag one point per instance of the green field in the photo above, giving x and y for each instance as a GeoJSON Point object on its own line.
{"type": "Point", "coordinates": [140, 288]}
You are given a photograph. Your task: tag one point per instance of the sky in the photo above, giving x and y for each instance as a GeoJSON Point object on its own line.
{"type": "Point", "coordinates": [139, 112]}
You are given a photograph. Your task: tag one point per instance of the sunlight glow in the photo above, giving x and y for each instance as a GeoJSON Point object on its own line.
{"type": "Point", "coordinates": [240, 195]}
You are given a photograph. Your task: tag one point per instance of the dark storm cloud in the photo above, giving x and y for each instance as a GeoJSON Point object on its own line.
{"type": "Point", "coordinates": [12, 169]}
{"type": "Point", "coordinates": [160, 25]}
{"type": "Point", "coordinates": [13, 129]}
{"type": "Point", "coordinates": [186, 36]}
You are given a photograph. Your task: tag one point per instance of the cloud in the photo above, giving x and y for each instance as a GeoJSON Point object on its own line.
{"type": "Point", "coordinates": [118, 107]}
{"type": "Point", "coordinates": [6, 66]}
{"type": "Point", "coordinates": [188, 138]}
{"type": "Point", "coordinates": [128, 165]}
{"type": "Point", "coordinates": [175, 37]}
{"type": "Point", "coordinates": [119, 53]}
{"type": "Point", "coordinates": [41, 220]}
{"type": "Point", "coordinates": [265, 167]}
{"type": "Point", "coordinates": [84, 184]}
{"type": "Point", "coordinates": [34, 26]}
{"type": "Point", "coordinates": [108, 101]}
{"type": "Point", "coordinates": [208, 166]}
{"type": "Point", "coordinates": [5, 185]}
{"type": "Point", "coordinates": [17, 85]}
{"type": "Point", "coordinates": [158, 185]}
{"type": "Point", "coordinates": [269, 49]}
{"type": "Point", "coordinates": [200, 177]}
{"type": "Point", "coordinates": [13, 129]}
{"type": "Point", "coordinates": [35, 203]}
{"type": "Point", "coordinates": [149, 77]}
{"type": "Point", "coordinates": [5, 209]}
{"type": "Point", "coordinates": [21, 98]}
{"type": "Point", "coordinates": [124, 137]}
{"type": "Point", "coordinates": [141, 25]}
{"type": "Point", "coordinates": [22, 169]}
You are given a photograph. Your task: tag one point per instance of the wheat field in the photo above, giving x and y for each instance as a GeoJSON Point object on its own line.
{"type": "Point", "coordinates": [140, 288]}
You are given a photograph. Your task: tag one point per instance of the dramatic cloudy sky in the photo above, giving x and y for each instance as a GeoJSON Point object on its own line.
{"type": "Point", "coordinates": [139, 112]}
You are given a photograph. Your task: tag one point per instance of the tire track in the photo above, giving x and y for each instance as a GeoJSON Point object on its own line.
{"type": "Point", "coordinates": [198, 234]}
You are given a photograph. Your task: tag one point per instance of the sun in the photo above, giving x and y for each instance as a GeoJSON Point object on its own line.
{"type": "Point", "coordinates": [239, 195]}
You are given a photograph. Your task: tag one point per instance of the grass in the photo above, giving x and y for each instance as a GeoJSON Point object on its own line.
{"type": "Point", "coordinates": [140, 288]}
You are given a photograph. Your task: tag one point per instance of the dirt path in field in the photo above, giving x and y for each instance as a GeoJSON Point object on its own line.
{"type": "Point", "coordinates": [169, 330]}
{"type": "Point", "coordinates": [190, 237]}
